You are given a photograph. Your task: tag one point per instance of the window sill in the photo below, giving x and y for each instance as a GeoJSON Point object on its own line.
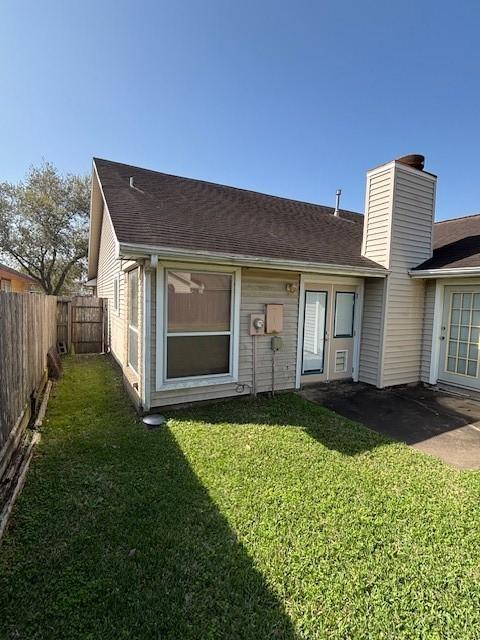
{"type": "Point", "coordinates": [192, 383]}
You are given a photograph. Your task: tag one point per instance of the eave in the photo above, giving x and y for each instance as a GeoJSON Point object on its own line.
{"type": "Point", "coordinates": [130, 251]}
{"type": "Point", "coordinates": [459, 272]}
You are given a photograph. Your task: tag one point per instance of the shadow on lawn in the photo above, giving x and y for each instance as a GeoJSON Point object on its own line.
{"type": "Point", "coordinates": [207, 585]}
{"type": "Point", "coordinates": [145, 553]}
{"type": "Point", "coordinates": [290, 410]}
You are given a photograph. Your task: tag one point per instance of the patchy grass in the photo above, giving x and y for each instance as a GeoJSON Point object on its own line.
{"type": "Point", "coordinates": [248, 519]}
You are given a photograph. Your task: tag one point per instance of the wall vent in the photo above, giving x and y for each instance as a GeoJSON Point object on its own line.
{"type": "Point", "coordinates": [341, 359]}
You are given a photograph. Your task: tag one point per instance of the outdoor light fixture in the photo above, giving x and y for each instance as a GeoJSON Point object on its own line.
{"type": "Point", "coordinates": [292, 287]}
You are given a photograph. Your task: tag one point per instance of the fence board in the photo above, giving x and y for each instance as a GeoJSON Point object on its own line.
{"type": "Point", "coordinates": [28, 329]}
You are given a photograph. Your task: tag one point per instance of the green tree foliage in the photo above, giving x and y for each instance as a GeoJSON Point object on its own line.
{"type": "Point", "coordinates": [44, 227]}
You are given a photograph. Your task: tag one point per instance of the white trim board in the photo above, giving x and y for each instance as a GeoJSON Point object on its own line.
{"type": "Point", "coordinates": [436, 332]}
{"type": "Point", "coordinates": [445, 273]}
{"type": "Point", "coordinates": [357, 328]}
{"type": "Point", "coordinates": [147, 337]}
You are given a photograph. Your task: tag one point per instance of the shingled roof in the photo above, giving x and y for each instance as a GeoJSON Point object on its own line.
{"type": "Point", "coordinates": [17, 274]}
{"type": "Point", "coordinates": [456, 244]}
{"type": "Point", "coordinates": [168, 211]}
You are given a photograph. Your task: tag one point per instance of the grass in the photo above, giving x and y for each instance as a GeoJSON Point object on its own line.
{"type": "Point", "coordinates": [247, 519]}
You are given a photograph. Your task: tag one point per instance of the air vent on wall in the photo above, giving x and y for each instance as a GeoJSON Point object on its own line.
{"type": "Point", "coordinates": [341, 358]}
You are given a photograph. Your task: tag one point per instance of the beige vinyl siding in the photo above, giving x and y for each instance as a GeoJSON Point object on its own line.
{"type": "Point", "coordinates": [428, 315]}
{"type": "Point", "coordinates": [109, 267]}
{"type": "Point", "coordinates": [400, 204]}
{"type": "Point", "coordinates": [371, 336]}
{"type": "Point", "coordinates": [410, 245]}
{"type": "Point", "coordinates": [403, 330]}
{"type": "Point", "coordinates": [378, 207]}
{"type": "Point", "coordinates": [258, 287]}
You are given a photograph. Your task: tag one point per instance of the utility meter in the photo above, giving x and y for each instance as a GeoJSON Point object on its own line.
{"type": "Point", "coordinates": [257, 324]}
{"type": "Point", "coordinates": [276, 343]}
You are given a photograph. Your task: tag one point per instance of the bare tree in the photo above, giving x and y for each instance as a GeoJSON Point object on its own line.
{"type": "Point", "coordinates": [44, 226]}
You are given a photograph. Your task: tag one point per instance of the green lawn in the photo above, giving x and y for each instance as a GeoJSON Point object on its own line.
{"type": "Point", "coordinates": [247, 519]}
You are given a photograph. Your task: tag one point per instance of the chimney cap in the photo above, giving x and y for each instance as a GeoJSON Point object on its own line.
{"type": "Point", "coordinates": [414, 160]}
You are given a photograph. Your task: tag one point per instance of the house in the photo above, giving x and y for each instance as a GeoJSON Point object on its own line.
{"type": "Point", "coordinates": [215, 291]}
{"type": "Point", "coordinates": [16, 282]}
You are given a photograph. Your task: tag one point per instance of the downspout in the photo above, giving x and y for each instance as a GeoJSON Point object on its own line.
{"type": "Point", "coordinates": [149, 266]}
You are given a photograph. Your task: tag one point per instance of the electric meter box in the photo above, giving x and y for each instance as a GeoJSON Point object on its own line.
{"type": "Point", "coordinates": [257, 324]}
{"type": "Point", "coordinates": [274, 318]}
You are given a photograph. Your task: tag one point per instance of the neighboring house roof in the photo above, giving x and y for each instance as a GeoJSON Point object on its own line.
{"type": "Point", "coordinates": [16, 274]}
{"type": "Point", "coordinates": [167, 211]}
{"type": "Point", "coordinates": [456, 244]}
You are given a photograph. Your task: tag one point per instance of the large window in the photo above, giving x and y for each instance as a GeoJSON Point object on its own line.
{"type": "Point", "coordinates": [199, 323]}
{"type": "Point", "coordinates": [133, 319]}
{"type": "Point", "coordinates": [6, 285]}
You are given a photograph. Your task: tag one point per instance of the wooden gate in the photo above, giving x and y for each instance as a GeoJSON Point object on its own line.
{"type": "Point", "coordinates": [81, 323]}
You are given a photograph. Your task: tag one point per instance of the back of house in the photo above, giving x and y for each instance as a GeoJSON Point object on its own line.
{"type": "Point", "coordinates": [215, 291]}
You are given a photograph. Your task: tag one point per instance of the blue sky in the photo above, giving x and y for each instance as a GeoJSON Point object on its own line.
{"type": "Point", "coordinates": [290, 98]}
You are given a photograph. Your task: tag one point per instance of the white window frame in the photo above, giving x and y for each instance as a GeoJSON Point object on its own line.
{"type": "Point", "coordinates": [6, 285]}
{"type": "Point", "coordinates": [116, 283]}
{"type": "Point", "coordinates": [162, 383]}
{"type": "Point", "coordinates": [130, 327]}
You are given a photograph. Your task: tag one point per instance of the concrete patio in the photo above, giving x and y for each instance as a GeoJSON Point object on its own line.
{"type": "Point", "coordinates": [439, 422]}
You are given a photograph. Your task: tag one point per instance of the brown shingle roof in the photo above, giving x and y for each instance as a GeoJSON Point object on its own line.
{"type": "Point", "coordinates": [456, 244]}
{"type": "Point", "coordinates": [182, 213]}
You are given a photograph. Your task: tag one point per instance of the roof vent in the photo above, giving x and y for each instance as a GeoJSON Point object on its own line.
{"type": "Point", "coordinates": [337, 202]}
{"type": "Point", "coordinates": [133, 185]}
{"type": "Point", "coordinates": [414, 160]}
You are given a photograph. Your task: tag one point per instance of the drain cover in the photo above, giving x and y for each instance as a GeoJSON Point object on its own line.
{"type": "Point", "coordinates": [154, 420]}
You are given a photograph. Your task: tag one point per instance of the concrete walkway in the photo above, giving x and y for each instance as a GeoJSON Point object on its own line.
{"type": "Point", "coordinates": [440, 423]}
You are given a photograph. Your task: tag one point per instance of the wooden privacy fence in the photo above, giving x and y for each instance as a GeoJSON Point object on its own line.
{"type": "Point", "coordinates": [28, 329]}
{"type": "Point", "coordinates": [81, 323]}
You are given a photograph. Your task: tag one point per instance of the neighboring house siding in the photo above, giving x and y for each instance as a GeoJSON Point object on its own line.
{"type": "Point", "coordinates": [411, 244]}
{"type": "Point", "coordinates": [379, 199]}
{"type": "Point", "coordinates": [258, 287]}
{"type": "Point", "coordinates": [15, 284]}
{"type": "Point", "coordinates": [370, 343]}
{"type": "Point", "coordinates": [428, 315]}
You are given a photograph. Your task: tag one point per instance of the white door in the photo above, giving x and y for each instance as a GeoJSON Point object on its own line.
{"type": "Point", "coordinates": [328, 332]}
{"type": "Point", "coordinates": [459, 352]}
